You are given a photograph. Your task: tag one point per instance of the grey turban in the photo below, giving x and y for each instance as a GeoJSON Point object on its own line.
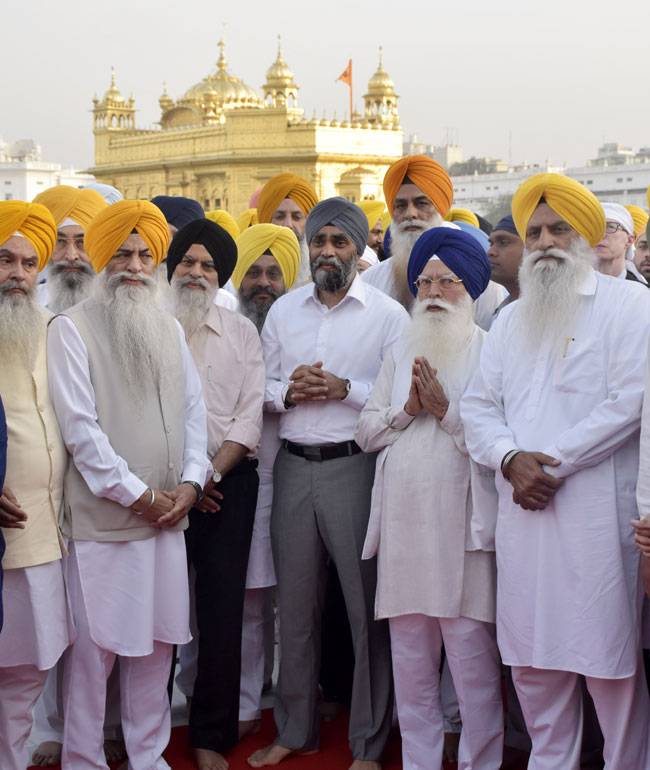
{"type": "Point", "coordinates": [340, 213]}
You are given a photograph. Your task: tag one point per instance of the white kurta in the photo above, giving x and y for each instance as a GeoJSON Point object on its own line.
{"type": "Point", "coordinates": [381, 277]}
{"type": "Point", "coordinates": [261, 572]}
{"type": "Point", "coordinates": [433, 509]}
{"type": "Point", "coordinates": [567, 576]}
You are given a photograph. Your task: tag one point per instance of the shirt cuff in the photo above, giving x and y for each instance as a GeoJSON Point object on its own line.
{"type": "Point", "coordinates": [499, 451]}
{"type": "Point", "coordinates": [451, 422]}
{"type": "Point", "coordinates": [134, 488]}
{"type": "Point", "coordinates": [247, 435]}
{"type": "Point", "coordinates": [401, 419]}
{"type": "Point", "coordinates": [562, 470]}
{"type": "Point", "coordinates": [194, 471]}
{"type": "Point", "coordinates": [358, 395]}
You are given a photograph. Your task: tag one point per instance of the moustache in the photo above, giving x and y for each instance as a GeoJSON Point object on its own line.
{"type": "Point", "coordinates": [257, 290]}
{"type": "Point", "coordinates": [184, 282]}
{"type": "Point", "coordinates": [12, 284]}
{"type": "Point", "coordinates": [56, 268]}
{"type": "Point", "coordinates": [535, 256]}
{"type": "Point", "coordinates": [119, 278]}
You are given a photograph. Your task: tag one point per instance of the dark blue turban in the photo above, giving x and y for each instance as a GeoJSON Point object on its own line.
{"type": "Point", "coordinates": [461, 252]}
{"type": "Point", "coordinates": [178, 211]}
{"type": "Point", "coordinates": [477, 234]}
{"type": "Point", "coordinates": [507, 224]}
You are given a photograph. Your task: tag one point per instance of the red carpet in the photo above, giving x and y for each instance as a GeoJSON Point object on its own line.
{"type": "Point", "coordinates": [334, 753]}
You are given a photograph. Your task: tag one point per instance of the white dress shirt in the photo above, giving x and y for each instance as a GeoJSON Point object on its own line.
{"type": "Point", "coordinates": [350, 339]}
{"type": "Point", "coordinates": [567, 576]}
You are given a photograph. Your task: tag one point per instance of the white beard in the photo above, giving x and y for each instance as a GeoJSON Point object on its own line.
{"type": "Point", "coordinates": [191, 305]}
{"type": "Point", "coordinates": [21, 326]}
{"type": "Point", "coordinates": [441, 337]}
{"type": "Point", "coordinates": [548, 302]}
{"type": "Point", "coordinates": [68, 289]}
{"type": "Point", "coordinates": [140, 332]}
{"type": "Point", "coordinates": [401, 245]}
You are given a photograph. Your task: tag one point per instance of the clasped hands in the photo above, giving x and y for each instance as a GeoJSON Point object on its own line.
{"type": "Point", "coordinates": [532, 486]}
{"type": "Point", "coordinates": [169, 506]}
{"type": "Point", "coordinates": [426, 393]}
{"type": "Point", "coordinates": [313, 383]}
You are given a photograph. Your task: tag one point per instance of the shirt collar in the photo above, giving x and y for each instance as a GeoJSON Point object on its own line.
{"type": "Point", "coordinates": [357, 291]}
{"type": "Point", "coordinates": [588, 286]}
{"type": "Point", "coordinates": [213, 320]}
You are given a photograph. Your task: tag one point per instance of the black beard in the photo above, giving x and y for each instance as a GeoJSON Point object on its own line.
{"type": "Point", "coordinates": [257, 311]}
{"type": "Point", "coordinates": [332, 281]}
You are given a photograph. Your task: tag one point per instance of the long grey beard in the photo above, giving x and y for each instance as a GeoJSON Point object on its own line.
{"type": "Point", "coordinates": [141, 333]}
{"type": "Point", "coordinates": [191, 305]}
{"type": "Point", "coordinates": [401, 245]}
{"type": "Point", "coordinates": [549, 299]}
{"type": "Point", "coordinates": [442, 337]}
{"type": "Point", "coordinates": [66, 289]}
{"type": "Point", "coordinates": [21, 329]}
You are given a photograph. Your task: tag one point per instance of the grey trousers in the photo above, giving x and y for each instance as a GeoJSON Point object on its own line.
{"type": "Point", "coordinates": [322, 508]}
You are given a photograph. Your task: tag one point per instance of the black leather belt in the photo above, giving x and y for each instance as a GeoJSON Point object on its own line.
{"type": "Point", "coordinates": [323, 452]}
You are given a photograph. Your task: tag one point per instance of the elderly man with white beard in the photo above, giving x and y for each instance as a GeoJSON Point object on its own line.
{"type": "Point", "coordinates": [433, 534]}
{"type": "Point", "coordinates": [228, 354]}
{"type": "Point", "coordinates": [128, 400]}
{"type": "Point", "coordinates": [419, 194]}
{"type": "Point", "coordinates": [555, 410]}
{"type": "Point", "coordinates": [35, 632]}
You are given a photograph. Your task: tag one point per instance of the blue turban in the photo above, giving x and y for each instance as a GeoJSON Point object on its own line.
{"type": "Point", "coordinates": [461, 252]}
{"type": "Point", "coordinates": [507, 223]}
{"type": "Point", "coordinates": [388, 238]}
{"type": "Point", "coordinates": [477, 234]}
{"type": "Point", "coordinates": [178, 211]}
{"type": "Point", "coordinates": [342, 214]}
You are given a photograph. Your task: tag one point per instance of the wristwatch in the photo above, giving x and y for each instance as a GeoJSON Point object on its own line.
{"type": "Point", "coordinates": [197, 488]}
{"type": "Point", "coordinates": [216, 476]}
{"type": "Point", "coordinates": [348, 388]}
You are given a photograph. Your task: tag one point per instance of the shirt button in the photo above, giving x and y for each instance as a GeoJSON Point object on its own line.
{"type": "Point", "coordinates": [40, 407]}
{"type": "Point", "coordinates": [171, 466]}
{"type": "Point", "coordinates": [50, 447]}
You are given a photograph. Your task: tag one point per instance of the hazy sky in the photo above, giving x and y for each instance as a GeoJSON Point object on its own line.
{"type": "Point", "coordinates": [557, 76]}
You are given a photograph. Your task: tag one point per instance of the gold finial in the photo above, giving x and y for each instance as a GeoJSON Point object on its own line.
{"type": "Point", "coordinates": [113, 77]}
{"type": "Point", "coordinates": [279, 46]}
{"type": "Point", "coordinates": [222, 64]}
{"type": "Point", "coordinates": [381, 57]}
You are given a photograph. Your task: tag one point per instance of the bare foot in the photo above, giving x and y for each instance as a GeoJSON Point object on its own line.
{"type": "Point", "coordinates": [209, 760]}
{"type": "Point", "coordinates": [273, 755]}
{"type": "Point", "coordinates": [47, 754]}
{"type": "Point", "coordinates": [450, 747]}
{"type": "Point", "coordinates": [114, 750]}
{"type": "Point", "coordinates": [249, 727]}
{"type": "Point", "coordinates": [365, 764]}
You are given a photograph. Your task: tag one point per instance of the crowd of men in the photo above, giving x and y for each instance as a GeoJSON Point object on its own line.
{"type": "Point", "coordinates": [410, 445]}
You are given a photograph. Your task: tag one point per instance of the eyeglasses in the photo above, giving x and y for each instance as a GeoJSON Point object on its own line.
{"type": "Point", "coordinates": [445, 283]}
{"type": "Point", "coordinates": [613, 227]}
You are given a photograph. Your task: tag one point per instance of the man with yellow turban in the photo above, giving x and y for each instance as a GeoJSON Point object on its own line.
{"type": "Point", "coordinates": [70, 274]}
{"type": "Point", "coordinates": [419, 193]}
{"type": "Point", "coordinates": [374, 211]}
{"type": "Point", "coordinates": [555, 410]}
{"type": "Point", "coordinates": [36, 623]}
{"type": "Point", "coordinates": [285, 200]}
{"type": "Point", "coordinates": [128, 399]}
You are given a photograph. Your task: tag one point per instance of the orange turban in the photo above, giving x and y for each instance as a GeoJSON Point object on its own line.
{"type": "Point", "coordinates": [65, 202]}
{"type": "Point", "coordinates": [285, 186]}
{"type": "Point", "coordinates": [640, 219]}
{"type": "Point", "coordinates": [34, 222]}
{"type": "Point", "coordinates": [424, 172]}
{"type": "Point", "coordinates": [568, 198]}
{"type": "Point", "coordinates": [462, 215]}
{"type": "Point", "coordinates": [223, 219]}
{"type": "Point", "coordinates": [373, 211]}
{"type": "Point", "coordinates": [113, 225]}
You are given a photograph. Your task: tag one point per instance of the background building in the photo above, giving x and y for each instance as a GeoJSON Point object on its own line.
{"type": "Point", "coordinates": [23, 172]}
{"type": "Point", "coordinates": [220, 141]}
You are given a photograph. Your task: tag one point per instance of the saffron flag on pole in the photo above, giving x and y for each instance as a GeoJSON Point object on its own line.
{"type": "Point", "coordinates": [346, 77]}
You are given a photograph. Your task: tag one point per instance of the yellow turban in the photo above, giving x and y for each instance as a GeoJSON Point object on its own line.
{"type": "Point", "coordinates": [386, 220]}
{"type": "Point", "coordinates": [33, 221]}
{"type": "Point", "coordinates": [568, 198]}
{"type": "Point", "coordinates": [462, 215]}
{"type": "Point", "coordinates": [257, 240]}
{"type": "Point", "coordinates": [223, 219]}
{"type": "Point", "coordinates": [285, 186]}
{"type": "Point", "coordinates": [113, 225]}
{"type": "Point", "coordinates": [424, 172]}
{"type": "Point", "coordinates": [246, 219]}
{"type": "Point", "coordinates": [373, 211]}
{"type": "Point", "coordinates": [640, 219]}
{"type": "Point", "coordinates": [65, 202]}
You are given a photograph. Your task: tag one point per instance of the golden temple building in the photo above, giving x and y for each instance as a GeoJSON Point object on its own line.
{"type": "Point", "coordinates": [221, 140]}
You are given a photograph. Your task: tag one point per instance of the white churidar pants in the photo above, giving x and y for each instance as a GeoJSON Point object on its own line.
{"type": "Point", "coordinates": [416, 642]}
{"type": "Point", "coordinates": [20, 687]}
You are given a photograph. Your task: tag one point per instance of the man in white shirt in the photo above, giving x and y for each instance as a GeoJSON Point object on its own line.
{"type": "Point", "coordinates": [419, 194]}
{"type": "Point", "coordinates": [128, 400]}
{"type": "Point", "coordinates": [615, 252]}
{"type": "Point", "coordinates": [433, 531]}
{"type": "Point", "coordinates": [555, 409]}
{"type": "Point", "coordinates": [36, 630]}
{"type": "Point", "coordinates": [323, 346]}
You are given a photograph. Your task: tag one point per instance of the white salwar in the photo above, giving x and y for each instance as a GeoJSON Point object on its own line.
{"type": "Point", "coordinates": [432, 528]}
{"type": "Point", "coordinates": [568, 593]}
{"type": "Point", "coordinates": [381, 276]}
{"type": "Point", "coordinates": [128, 599]}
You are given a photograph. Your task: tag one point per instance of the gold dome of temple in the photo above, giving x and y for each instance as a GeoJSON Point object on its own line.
{"type": "Point", "coordinates": [380, 84]}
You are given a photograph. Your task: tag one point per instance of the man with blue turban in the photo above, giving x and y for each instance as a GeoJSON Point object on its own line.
{"type": "Point", "coordinates": [433, 533]}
